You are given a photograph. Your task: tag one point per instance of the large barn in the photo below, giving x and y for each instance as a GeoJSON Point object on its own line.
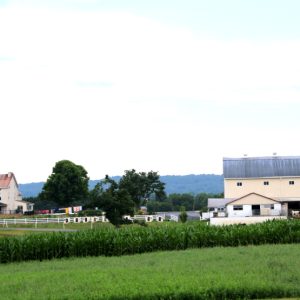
{"type": "Point", "coordinates": [261, 186]}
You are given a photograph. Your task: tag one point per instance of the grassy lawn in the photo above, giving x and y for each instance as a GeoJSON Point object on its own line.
{"type": "Point", "coordinates": [269, 271]}
{"type": "Point", "coordinates": [17, 230]}
{"type": "Point", "coordinates": [73, 226]}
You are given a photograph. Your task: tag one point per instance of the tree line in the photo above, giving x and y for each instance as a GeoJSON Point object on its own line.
{"type": "Point", "coordinates": [68, 186]}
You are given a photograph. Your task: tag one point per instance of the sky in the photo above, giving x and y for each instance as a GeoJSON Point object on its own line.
{"type": "Point", "coordinates": [164, 85]}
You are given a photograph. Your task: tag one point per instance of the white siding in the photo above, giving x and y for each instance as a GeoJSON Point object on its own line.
{"type": "Point", "coordinates": [246, 212]}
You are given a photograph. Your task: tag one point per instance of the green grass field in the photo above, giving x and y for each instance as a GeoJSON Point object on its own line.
{"type": "Point", "coordinates": [268, 271]}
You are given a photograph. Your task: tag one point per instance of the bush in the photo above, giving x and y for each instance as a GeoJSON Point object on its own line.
{"type": "Point", "coordinates": [90, 213]}
{"type": "Point", "coordinates": [29, 213]}
{"type": "Point", "coordinates": [183, 215]}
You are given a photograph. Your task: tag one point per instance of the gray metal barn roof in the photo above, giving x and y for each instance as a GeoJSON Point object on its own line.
{"type": "Point", "coordinates": [269, 166]}
{"type": "Point", "coordinates": [218, 202]}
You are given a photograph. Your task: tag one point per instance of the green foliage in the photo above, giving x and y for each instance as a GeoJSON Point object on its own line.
{"type": "Point", "coordinates": [121, 198]}
{"type": "Point", "coordinates": [183, 215]}
{"type": "Point", "coordinates": [90, 212]}
{"type": "Point", "coordinates": [142, 185]}
{"type": "Point", "coordinates": [41, 203]}
{"type": "Point", "coordinates": [155, 206]}
{"type": "Point", "coordinates": [179, 200]}
{"type": "Point", "coordinates": [174, 202]}
{"type": "Point", "coordinates": [114, 200]}
{"type": "Point", "coordinates": [67, 185]}
{"type": "Point", "coordinates": [109, 241]}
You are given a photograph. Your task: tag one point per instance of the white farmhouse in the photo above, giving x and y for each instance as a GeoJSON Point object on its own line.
{"type": "Point", "coordinates": [10, 196]}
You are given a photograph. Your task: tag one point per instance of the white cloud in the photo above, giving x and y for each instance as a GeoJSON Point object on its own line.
{"type": "Point", "coordinates": [141, 57]}
{"type": "Point", "coordinates": [114, 91]}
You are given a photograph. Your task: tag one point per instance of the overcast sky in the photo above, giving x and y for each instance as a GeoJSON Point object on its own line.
{"type": "Point", "coordinates": [163, 85]}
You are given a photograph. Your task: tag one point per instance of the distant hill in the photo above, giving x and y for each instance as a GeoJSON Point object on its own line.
{"type": "Point", "coordinates": [204, 183]}
{"type": "Point", "coordinates": [31, 189]}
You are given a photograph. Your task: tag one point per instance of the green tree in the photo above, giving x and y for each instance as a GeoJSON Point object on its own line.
{"type": "Point", "coordinates": [114, 200]}
{"type": "Point", "coordinates": [67, 185]}
{"type": "Point", "coordinates": [178, 200]}
{"type": "Point", "coordinates": [183, 215]}
{"type": "Point", "coordinates": [202, 199]}
{"type": "Point", "coordinates": [159, 206]}
{"type": "Point", "coordinates": [142, 185]}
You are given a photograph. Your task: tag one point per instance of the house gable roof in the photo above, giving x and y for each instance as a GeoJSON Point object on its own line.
{"type": "Point", "coordinates": [253, 198]}
{"type": "Point", "coordinates": [255, 167]}
{"type": "Point", "coordinates": [5, 180]}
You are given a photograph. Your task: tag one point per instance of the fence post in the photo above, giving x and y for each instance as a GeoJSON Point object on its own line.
{"type": "Point", "coordinates": [35, 222]}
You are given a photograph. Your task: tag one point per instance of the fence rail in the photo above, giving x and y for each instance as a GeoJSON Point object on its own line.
{"type": "Point", "coordinates": [16, 221]}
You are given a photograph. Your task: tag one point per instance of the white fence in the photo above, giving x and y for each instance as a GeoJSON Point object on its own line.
{"type": "Point", "coordinates": [149, 218]}
{"type": "Point", "coordinates": [36, 221]}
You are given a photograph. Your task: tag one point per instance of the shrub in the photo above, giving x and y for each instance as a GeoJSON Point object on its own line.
{"type": "Point", "coordinates": [89, 213]}
{"type": "Point", "coordinates": [183, 215]}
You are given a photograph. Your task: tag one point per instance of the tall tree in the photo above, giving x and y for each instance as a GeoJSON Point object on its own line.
{"type": "Point", "coordinates": [112, 199]}
{"type": "Point", "coordinates": [67, 185]}
{"type": "Point", "coordinates": [142, 185]}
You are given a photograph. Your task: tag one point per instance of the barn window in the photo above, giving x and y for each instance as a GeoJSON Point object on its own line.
{"type": "Point", "coordinates": [272, 206]}
{"type": "Point", "coordinates": [237, 207]}
{"type": "Point", "coordinates": [291, 182]}
{"type": "Point", "coordinates": [266, 182]}
{"type": "Point", "coordinates": [239, 183]}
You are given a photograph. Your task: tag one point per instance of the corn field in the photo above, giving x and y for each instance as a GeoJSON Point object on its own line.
{"type": "Point", "coordinates": [108, 241]}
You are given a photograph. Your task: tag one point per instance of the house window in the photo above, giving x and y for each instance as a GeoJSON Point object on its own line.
{"type": "Point", "coordinates": [272, 206]}
{"type": "Point", "coordinates": [291, 182]}
{"type": "Point", "coordinates": [239, 184]}
{"type": "Point", "coordinates": [237, 207]}
{"type": "Point", "coordinates": [266, 182]}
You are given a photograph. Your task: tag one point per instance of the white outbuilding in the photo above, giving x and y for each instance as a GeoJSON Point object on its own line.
{"type": "Point", "coordinates": [252, 205]}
